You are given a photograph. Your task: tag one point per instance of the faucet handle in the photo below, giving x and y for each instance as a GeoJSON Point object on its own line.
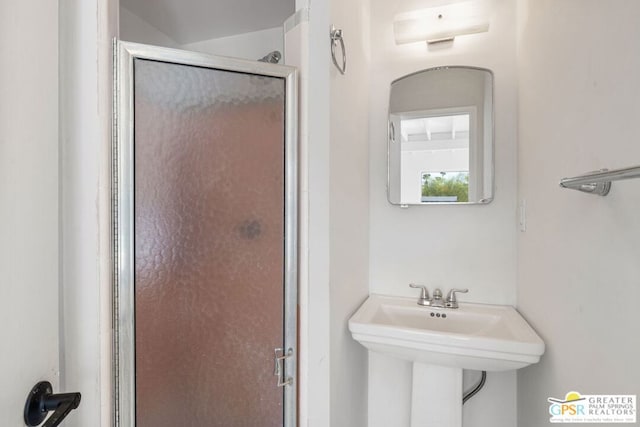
{"type": "Point", "coordinates": [451, 301]}
{"type": "Point", "coordinates": [424, 294]}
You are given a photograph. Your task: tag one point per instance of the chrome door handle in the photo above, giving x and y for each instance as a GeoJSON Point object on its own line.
{"type": "Point", "coordinates": [280, 357]}
{"type": "Point", "coordinates": [41, 401]}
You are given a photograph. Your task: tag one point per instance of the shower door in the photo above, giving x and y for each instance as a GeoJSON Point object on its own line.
{"type": "Point", "coordinates": [205, 240]}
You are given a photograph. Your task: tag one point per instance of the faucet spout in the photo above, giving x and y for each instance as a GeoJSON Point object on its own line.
{"type": "Point", "coordinates": [437, 300]}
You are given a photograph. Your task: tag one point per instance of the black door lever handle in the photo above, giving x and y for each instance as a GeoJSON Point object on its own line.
{"type": "Point", "coordinates": [41, 401]}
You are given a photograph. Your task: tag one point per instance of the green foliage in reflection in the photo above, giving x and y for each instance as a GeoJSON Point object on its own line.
{"type": "Point", "coordinates": [443, 185]}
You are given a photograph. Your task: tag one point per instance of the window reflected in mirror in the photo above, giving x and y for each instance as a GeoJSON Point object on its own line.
{"type": "Point", "coordinates": [435, 154]}
{"type": "Point", "coordinates": [445, 187]}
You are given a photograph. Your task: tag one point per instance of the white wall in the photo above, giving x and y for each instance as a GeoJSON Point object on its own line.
{"type": "Point", "coordinates": [313, 297]}
{"type": "Point", "coordinates": [318, 123]}
{"type": "Point", "coordinates": [29, 207]}
{"type": "Point", "coordinates": [87, 28]}
{"type": "Point", "coordinates": [445, 246]}
{"type": "Point", "coordinates": [334, 205]}
{"type": "Point", "coordinates": [578, 269]}
{"type": "Point", "coordinates": [349, 216]}
{"type": "Point", "coordinates": [252, 45]}
{"type": "Point", "coordinates": [483, 237]}
{"type": "Point", "coordinates": [306, 33]}
{"type": "Point", "coordinates": [135, 29]}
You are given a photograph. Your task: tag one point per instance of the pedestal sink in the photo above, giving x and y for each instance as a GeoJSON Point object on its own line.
{"type": "Point", "coordinates": [441, 343]}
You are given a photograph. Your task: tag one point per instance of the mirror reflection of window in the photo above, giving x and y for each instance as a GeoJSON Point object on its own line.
{"type": "Point", "coordinates": [435, 157]}
{"type": "Point", "coordinates": [445, 186]}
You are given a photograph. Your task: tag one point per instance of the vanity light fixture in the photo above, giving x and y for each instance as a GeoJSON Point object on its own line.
{"type": "Point", "coordinates": [441, 23]}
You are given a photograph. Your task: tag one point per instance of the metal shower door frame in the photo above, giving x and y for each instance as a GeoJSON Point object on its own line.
{"type": "Point", "coordinates": [123, 214]}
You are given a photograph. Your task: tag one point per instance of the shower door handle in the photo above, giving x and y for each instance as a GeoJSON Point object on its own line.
{"type": "Point", "coordinates": [41, 401]}
{"type": "Point", "coordinates": [280, 357]}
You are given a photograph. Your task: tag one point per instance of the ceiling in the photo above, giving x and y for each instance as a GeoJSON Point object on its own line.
{"type": "Point", "coordinates": [435, 128]}
{"type": "Point", "coordinates": [188, 21]}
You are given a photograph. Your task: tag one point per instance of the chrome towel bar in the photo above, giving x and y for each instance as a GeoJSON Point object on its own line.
{"type": "Point", "coordinates": [599, 182]}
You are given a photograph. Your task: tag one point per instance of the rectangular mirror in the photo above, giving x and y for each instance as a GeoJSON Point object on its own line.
{"type": "Point", "coordinates": [440, 146]}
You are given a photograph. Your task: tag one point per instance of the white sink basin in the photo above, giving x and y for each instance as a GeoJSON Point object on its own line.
{"type": "Point", "coordinates": [473, 336]}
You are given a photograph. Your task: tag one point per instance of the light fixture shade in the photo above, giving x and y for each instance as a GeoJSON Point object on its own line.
{"type": "Point", "coordinates": [441, 23]}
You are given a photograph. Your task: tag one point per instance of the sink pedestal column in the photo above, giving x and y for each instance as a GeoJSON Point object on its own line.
{"type": "Point", "coordinates": [436, 398]}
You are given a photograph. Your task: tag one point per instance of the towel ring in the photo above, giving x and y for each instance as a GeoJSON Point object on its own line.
{"type": "Point", "coordinates": [336, 36]}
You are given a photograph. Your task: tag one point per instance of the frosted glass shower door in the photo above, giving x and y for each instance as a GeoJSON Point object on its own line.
{"type": "Point", "coordinates": [206, 240]}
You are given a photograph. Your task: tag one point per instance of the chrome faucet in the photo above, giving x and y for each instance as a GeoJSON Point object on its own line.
{"type": "Point", "coordinates": [452, 302]}
{"type": "Point", "coordinates": [437, 301]}
{"type": "Point", "coordinates": [424, 294]}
